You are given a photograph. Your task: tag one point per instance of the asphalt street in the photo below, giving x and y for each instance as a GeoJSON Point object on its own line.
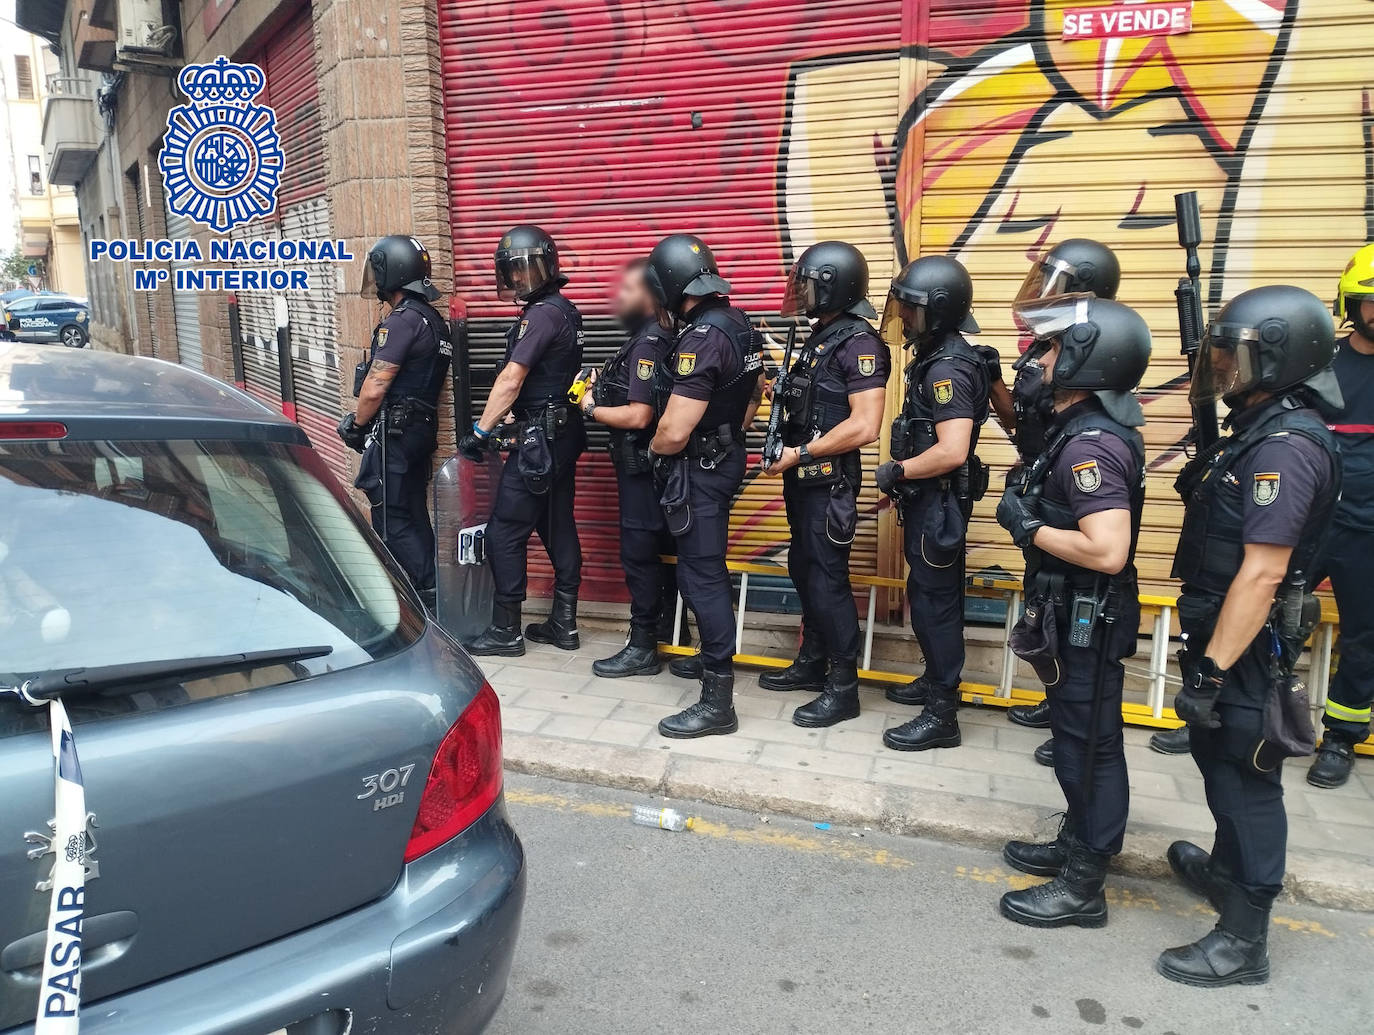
{"type": "Point", "coordinates": [766, 924]}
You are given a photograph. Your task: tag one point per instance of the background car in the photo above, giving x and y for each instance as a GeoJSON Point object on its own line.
{"type": "Point", "coordinates": [49, 319]}
{"type": "Point", "coordinates": [293, 775]}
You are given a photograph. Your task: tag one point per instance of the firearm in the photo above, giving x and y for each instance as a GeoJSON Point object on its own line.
{"type": "Point", "coordinates": [579, 387]}
{"type": "Point", "coordinates": [772, 442]}
{"type": "Point", "coordinates": [1189, 298]}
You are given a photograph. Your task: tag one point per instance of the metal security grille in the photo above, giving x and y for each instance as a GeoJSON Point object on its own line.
{"type": "Point", "coordinates": [185, 304]}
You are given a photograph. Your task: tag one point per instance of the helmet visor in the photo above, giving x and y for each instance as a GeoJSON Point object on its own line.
{"type": "Point", "coordinates": [369, 287]}
{"type": "Point", "coordinates": [904, 322]}
{"type": "Point", "coordinates": [1046, 279]}
{"type": "Point", "coordinates": [520, 273]}
{"type": "Point", "coordinates": [1227, 363]}
{"type": "Point", "coordinates": [803, 296]}
{"type": "Point", "coordinates": [1046, 317]}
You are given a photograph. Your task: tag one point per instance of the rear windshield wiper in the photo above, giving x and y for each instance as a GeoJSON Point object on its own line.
{"type": "Point", "coordinates": [73, 682]}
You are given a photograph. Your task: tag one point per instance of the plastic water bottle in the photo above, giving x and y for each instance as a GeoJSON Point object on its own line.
{"type": "Point", "coordinates": [664, 819]}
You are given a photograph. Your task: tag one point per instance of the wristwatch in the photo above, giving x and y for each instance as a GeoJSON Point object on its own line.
{"type": "Point", "coordinates": [804, 455]}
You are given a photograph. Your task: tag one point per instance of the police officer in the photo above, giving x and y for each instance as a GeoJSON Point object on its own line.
{"type": "Point", "coordinates": [1074, 267]}
{"type": "Point", "coordinates": [934, 478]}
{"type": "Point", "coordinates": [543, 356]}
{"type": "Point", "coordinates": [1350, 551]}
{"type": "Point", "coordinates": [1257, 508]}
{"type": "Point", "coordinates": [628, 396]}
{"type": "Point", "coordinates": [1075, 512]}
{"type": "Point", "coordinates": [405, 370]}
{"type": "Point", "coordinates": [832, 405]}
{"type": "Point", "coordinates": [699, 457]}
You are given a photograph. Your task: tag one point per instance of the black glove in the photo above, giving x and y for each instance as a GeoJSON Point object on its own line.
{"type": "Point", "coordinates": [1196, 703]}
{"type": "Point", "coordinates": [887, 476]}
{"type": "Point", "coordinates": [474, 447]}
{"type": "Point", "coordinates": [1019, 515]}
{"type": "Point", "coordinates": [354, 435]}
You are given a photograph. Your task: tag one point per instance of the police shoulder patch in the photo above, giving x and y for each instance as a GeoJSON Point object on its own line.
{"type": "Point", "coordinates": [1266, 489]}
{"type": "Point", "coordinates": [382, 334]}
{"type": "Point", "coordinates": [944, 391]}
{"type": "Point", "coordinates": [524, 326]}
{"type": "Point", "coordinates": [867, 365]}
{"type": "Point", "coordinates": [644, 370]}
{"type": "Point", "coordinates": [1086, 476]}
{"type": "Point", "coordinates": [686, 363]}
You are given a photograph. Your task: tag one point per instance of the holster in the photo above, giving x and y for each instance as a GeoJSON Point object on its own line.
{"type": "Point", "coordinates": [629, 453]}
{"type": "Point", "coordinates": [707, 448]}
{"type": "Point", "coordinates": [911, 436]}
{"type": "Point", "coordinates": [405, 413]}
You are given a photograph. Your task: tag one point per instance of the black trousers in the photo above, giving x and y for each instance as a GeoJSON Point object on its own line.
{"type": "Point", "coordinates": [702, 575]}
{"type": "Point", "coordinates": [643, 539]}
{"type": "Point", "coordinates": [819, 568]}
{"type": "Point", "coordinates": [1252, 825]}
{"type": "Point", "coordinates": [402, 520]}
{"type": "Point", "coordinates": [1096, 808]}
{"type": "Point", "coordinates": [1349, 562]}
{"type": "Point", "coordinates": [518, 512]}
{"type": "Point", "coordinates": [935, 593]}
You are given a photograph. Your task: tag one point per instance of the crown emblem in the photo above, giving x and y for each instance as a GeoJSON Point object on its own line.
{"type": "Point", "coordinates": [221, 81]}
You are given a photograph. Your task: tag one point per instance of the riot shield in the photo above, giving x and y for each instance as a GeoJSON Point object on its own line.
{"type": "Point", "coordinates": [463, 495]}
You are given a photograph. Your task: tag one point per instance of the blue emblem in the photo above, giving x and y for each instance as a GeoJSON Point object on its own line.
{"type": "Point", "coordinates": [221, 159]}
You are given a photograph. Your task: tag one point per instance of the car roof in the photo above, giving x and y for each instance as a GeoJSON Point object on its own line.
{"type": "Point", "coordinates": [109, 395]}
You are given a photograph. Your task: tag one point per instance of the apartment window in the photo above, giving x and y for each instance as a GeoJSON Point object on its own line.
{"type": "Point", "coordinates": [23, 77]}
{"type": "Point", "coordinates": [35, 175]}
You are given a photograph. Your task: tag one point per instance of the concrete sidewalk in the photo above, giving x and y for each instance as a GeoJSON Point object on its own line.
{"type": "Point", "coordinates": [562, 721]}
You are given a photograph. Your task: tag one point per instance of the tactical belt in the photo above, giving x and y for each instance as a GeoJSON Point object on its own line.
{"type": "Point", "coordinates": [709, 447]}
{"type": "Point", "coordinates": [406, 412]}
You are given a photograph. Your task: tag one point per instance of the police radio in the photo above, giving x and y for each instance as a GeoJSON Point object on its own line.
{"type": "Point", "coordinates": [1083, 612]}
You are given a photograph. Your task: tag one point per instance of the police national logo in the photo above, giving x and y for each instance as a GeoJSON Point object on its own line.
{"type": "Point", "coordinates": [1266, 489]}
{"type": "Point", "coordinates": [867, 365]}
{"type": "Point", "coordinates": [686, 363]}
{"type": "Point", "coordinates": [1086, 476]}
{"type": "Point", "coordinates": [944, 392]}
{"type": "Point", "coordinates": [221, 158]}
{"type": "Point", "coordinates": [644, 370]}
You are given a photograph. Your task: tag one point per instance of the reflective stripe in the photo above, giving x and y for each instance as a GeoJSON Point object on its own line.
{"type": "Point", "coordinates": [1340, 711]}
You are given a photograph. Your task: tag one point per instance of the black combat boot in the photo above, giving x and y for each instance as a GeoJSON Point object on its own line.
{"type": "Point", "coordinates": [1236, 952]}
{"type": "Point", "coordinates": [687, 668]}
{"type": "Point", "coordinates": [1198, 872]}
{"type": "Point", "coordinates": [639, 656]}
{"type": "Point", "coordinates": [561, 628]}
{"type": "Point", "coordinates": [1172, 742]}
{"type": "Point", "coordinates": [1335, 759]}
{"type": "Point", "coordinates": [806, 673]}
{"type": "Point", "coordinates": [714, 713]}
{"type": "Point", "coordinates": [936, 727]}
{"type": "Point", "coordinates": [502, 638]}
{"type": "Point", "coordinates": [910, 693]}
{"type": "Point", "coordinates": [1044, 754]}
{"type": "Point", "coordinates": [839, 699]}
{"type": "Point", "coordinates": [1040, 858]}
{"type": "Point", "coordinates": [1032, 716]}
{"type": "Point", "coordinates": [1074, 898]}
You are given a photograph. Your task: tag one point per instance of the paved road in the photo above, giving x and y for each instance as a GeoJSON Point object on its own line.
{"type": "Point", "coordinates": [751, 926]}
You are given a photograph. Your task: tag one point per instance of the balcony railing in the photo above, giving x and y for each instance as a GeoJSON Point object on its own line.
{"type": "Point", "coordinates": [70, 86]}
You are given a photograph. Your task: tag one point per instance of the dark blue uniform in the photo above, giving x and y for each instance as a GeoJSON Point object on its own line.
{"type": "Point", "coordinates": [415, 338]}
{"type": "Point", "coordinates": [840, 359]}
{"type": "Point", "coordinates": [718, 361]}
{"type": "Point", "coordinates": [1350, 550]}
{"type": "Point", "coordinates": [547, 340]}
{"type": "Point", "coordinates": [1273, 481]}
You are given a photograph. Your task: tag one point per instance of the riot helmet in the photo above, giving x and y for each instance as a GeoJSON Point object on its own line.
{"type": "Point", "coordinates": [1073, 268]}
{"type": "Point", "coordinates": [526, 264]}
{"type": "Point", "coordinates": [1272, 339]}
{"type": "Point", "coordinates": [681, 266]}
{"type": "Point", "coordinates": [829, 278]}
{"type": "Point", "coordinates": [1104, 348]}
{"type": "Point", "coordinates": [1355, 288]}
{"type": "Point", "coordinates": [932, 296]}
{"type": "Point", "coordinates": [397, 263]}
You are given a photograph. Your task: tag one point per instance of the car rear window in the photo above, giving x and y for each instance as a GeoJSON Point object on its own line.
{"type": "Point", "coordinates": [114, 552]}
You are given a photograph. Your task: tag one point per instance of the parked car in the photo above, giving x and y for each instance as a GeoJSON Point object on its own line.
{"type": "Point", "coordinates": [293, 775]}
{"type": "Point", "coordinates": [49, 318]}
{"type": "Point", "coordinates": [23, 292]}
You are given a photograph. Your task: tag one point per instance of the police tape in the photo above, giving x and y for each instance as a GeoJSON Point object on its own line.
{"type": "Point", "coordinates": [59, 995]}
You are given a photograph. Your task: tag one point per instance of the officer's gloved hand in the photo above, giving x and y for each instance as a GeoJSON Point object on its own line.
{"type": "Point", "coordinates": [473, 447]}
{"type": "Point", "coordinates": [1196, 703]}
{"type": "Point", "coordinates": [1019, 515]}
{"type": "Point", "coordinates": [887, 476]}
{"type": "Point", "coordinates": [354, 435]}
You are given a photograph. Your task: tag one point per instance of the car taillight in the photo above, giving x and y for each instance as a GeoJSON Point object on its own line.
{"type": "Point", "coordinates": [32, 429]}
{"type": "Point", "coordinates": [465, 778]}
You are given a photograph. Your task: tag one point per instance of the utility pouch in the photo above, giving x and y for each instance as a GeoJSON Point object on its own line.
{"type": "Point", "coordinates": [372, 471]}
{"type": "Point", "coordinates": [359, 376]}
{"type": "Point", "coordinates": [556, 421]}
{"type": "Point", "coordinates": [1035, 637]}
{"type": "Point", "coordinates": [841, 513]}
{"type": "Point", "coordinates": [978, 475]}
{"type": "Point", "coordinates": [708, 448]}
{"type": "Point", "coordinates": [1287, 730]}
{"type": "Point", "coordinates": [535, 459]}
{"type": "Point", "coordinates": [820, 474]}
{"type": "Point", "coordinates": [911, 436]}
{"type": "Point", "coordinates": [676, 497]}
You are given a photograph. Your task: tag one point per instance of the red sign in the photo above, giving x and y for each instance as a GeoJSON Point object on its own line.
{"type": "Point", "coordinates": [1121, 21]}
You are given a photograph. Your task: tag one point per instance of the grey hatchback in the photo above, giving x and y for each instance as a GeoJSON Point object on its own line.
{"type": "Point", "coordinates": [293, 776]}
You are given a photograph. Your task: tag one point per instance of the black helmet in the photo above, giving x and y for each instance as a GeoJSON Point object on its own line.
{"type": "Point", "coordinates": [942, 292]}
{"type": "Point", "coordinates": [829, 277]}
{"type": "Point", "coordinates": [1073, 267]}
{"type": "Point", "coordinates": [397, 263]}
{"type": "Point", "coordinates": [679, 266]}
{"type": "Point", "coordinates": [1270, 338]}
{"type": "Point", "coordinates": [526, 263]}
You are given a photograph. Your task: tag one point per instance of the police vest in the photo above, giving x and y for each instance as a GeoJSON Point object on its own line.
{"type": "Point", "coordinates": [421, 377]}
{"type": "Point", "coordinates": [613, 385]}
{"type": "Point", "coordinates": [549, 379]}
{"type": "Point", "coordinates": [914, 431]}
{"type": "Point", "coordinates": [730, 401]}
{"type": "Point", "coordinates": [1210, 547]}
{"type": "Point", "coordinates": [815, 397]}
{"type": "Point", "coordinates": [1057, 513]}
